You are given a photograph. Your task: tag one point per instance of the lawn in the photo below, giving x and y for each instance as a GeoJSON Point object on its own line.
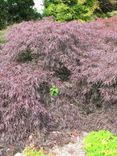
{"type": "Point", "coordinates": [2, 36]}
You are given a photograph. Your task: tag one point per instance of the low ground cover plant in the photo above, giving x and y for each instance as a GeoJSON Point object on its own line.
{"type": "Point", "coordinates": [31, 151]}
{"type": "Point", "coordinates": [101, 143]}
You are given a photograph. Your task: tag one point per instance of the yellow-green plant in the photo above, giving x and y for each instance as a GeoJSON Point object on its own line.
{"type": "Point", "coordinates": [31, 151]}
{"type": "Point", "coordinates": [54, 91]}
{"type": "Point", "coordinates": [101, 143]}
{"type": "Point", "coordinates": [67, 10]}
{"type": "Point", "coordinates": [2, 36]}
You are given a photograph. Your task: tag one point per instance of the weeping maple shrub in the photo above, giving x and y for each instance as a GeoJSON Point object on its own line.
{"type": "Point", "coordinates": [79, 59]}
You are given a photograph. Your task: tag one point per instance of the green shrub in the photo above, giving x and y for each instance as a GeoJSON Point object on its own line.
{"type": "Point", "coordinates": [63, 10]}
{"type": "Point", "coordinates": [54, 91]}
{"type": "Point", "coordinates": [101, 143]}
{"type": "Point", "coordinates": [21, 11]}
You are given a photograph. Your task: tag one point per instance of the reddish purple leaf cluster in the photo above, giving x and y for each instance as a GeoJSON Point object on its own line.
{"type": "Point", "coordinates": [81, 59]}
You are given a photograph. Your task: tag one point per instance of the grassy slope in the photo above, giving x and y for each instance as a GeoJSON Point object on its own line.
{"type": "Point", "coordinates": [2, 36]}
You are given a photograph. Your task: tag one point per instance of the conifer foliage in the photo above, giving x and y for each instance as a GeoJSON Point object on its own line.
{"type": "Point", "coordinates": [14, 11]}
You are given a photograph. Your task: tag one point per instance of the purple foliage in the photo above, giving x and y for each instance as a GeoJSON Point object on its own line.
{"type": "Point", "coordinates": [88, 51]}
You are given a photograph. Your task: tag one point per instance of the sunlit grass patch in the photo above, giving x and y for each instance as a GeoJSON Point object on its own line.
{"type": "Point", "coordinates": [2, 36]}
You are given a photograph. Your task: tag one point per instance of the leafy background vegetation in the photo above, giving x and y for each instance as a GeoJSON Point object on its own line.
{"type": "Point", "coordinates": [11, 11]}
{"type": "Point", "coordinates": [69, 10]}
{"type": "Point", "coordinates": [62, 10]}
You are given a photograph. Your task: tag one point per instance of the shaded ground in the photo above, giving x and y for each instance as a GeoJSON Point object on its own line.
{"type": "Point", "coordinates": [78, 58]}
{"type": "Point", "coordinates": [75, 147]}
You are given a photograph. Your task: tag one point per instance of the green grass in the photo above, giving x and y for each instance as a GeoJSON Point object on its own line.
{"type": "Point", "coordinates": [2, 36]}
